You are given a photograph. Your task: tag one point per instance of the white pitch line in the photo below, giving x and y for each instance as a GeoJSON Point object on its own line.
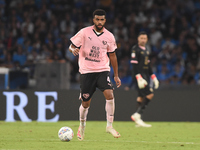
{"type": "Point", "coordinates": [189, 143]}
{"type": "Point", "coordinates": [186, 143]}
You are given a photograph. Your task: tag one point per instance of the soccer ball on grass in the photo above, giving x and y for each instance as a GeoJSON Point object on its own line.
{"type": "Point", "coordinates": [65, 134]}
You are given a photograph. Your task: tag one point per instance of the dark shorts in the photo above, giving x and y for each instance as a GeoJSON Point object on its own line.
{"type": "Point", "coordinates": [144, 92]}
{"type": "Point", "coordinates": [90, 81]}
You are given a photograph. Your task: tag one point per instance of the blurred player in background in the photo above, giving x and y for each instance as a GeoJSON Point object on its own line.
{"type": "Point", "coordinates": [92, 45]}
{"type": "Point", "coordinates": [142, 73]}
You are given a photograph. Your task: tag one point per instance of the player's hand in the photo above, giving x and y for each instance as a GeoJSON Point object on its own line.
{"type": "Point", "coordinates": [140, 81]}
{"type": "Point", "coordinates": [75, 52]}
{"type": "Point", "coordinates": [155, 81]}
{"type": "Point", "coordinates": [117, 81]}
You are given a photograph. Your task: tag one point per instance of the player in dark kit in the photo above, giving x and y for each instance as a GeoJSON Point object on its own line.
{"type": "Point", "coordinates": [142, 73]}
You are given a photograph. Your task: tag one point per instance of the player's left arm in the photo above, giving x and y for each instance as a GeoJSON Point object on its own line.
{"type": "Point", "coordinates": [113, 60]}
{"type": "Point", "coordinates": [153, 77]}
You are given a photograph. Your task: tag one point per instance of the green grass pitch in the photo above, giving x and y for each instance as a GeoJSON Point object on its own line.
{"type": "Point", "coordinates": [44, 136]}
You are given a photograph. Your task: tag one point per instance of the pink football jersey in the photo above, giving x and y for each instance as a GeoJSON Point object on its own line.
{"type": "Point", "coordinates": [93, 49]}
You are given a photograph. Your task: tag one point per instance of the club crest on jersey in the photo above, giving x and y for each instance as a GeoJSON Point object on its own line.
{"type": "Point", "coordinates": [86, 95]}
{"type": "Point", "coordinates": [104, 42]}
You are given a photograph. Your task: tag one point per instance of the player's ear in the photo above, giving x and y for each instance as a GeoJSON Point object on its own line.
{"type": "Point", "coordinates": [105, 18]}
{"type": "Point", "coordinates": [93, 20]}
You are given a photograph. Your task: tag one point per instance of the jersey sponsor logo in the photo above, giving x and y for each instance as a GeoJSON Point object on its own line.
{"type": "Point", "coordinates": [94, 52]}
{"type": "Point", "coordinates": [86, 95]}
{"type": "Point", "coordinates": [104, 42]}
{"type": "Point", "coordinates": [89, 59]}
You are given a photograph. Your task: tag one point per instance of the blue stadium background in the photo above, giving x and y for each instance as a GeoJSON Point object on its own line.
{"type": "Point", "coordinates": [38, 31]}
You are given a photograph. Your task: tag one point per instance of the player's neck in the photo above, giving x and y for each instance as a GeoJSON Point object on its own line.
{"type": "Point", "coordinates": [98, 31]}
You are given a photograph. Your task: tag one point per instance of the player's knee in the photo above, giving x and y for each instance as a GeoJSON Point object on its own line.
{"type": "Point", "coordinates": [86, 104]}
{"type": "Point", "coordinates": [150, 96]}
{"type": "Point", "coordinates": [108, 94]}
{"type": "Point", "coordinates": [110, 97]}
{"type": "Point", "coordinates": [139, 99]}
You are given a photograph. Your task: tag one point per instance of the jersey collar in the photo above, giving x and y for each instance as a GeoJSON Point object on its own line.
{"type": "Point", "coordinates": [96, 33]}
{"type": "Point", "coordinates": [142, 47]}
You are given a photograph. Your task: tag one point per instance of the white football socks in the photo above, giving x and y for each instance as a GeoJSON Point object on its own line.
{"type": "Point", "coordinates": [110, 109]}
{"type": "Point", "coordinates": [83, 115]}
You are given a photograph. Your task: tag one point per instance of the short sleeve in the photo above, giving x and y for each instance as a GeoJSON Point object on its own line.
{"type": "Point", "coordinates": [112, 44]}
{"type": "Point", "coordinates": [77, 38]}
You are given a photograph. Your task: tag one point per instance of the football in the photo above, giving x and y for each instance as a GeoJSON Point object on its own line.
{"type": "Point", "coordinates": [65, 134]}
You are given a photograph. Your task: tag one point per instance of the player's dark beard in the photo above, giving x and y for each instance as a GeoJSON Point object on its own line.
{"type": "Point", "coordinates": [99, 29]}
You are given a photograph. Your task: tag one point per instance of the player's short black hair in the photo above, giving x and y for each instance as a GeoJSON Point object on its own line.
{"type": "Point", "coordinates": [99, 12]}
{"type": "Point", "coordinates": [142, 33]}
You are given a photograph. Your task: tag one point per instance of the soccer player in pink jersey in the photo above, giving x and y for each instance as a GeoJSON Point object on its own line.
{"type": "Point", "coordinates": [92, 44]}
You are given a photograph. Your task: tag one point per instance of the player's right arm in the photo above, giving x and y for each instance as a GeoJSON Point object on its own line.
{"type": "Point", "coordinates": [77, 41]}
{"type": "Point", "coordinates": [74, 50]}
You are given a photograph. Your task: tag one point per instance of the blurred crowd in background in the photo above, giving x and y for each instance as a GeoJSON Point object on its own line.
{"type": "Point", "coordinates": [39, 31]}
